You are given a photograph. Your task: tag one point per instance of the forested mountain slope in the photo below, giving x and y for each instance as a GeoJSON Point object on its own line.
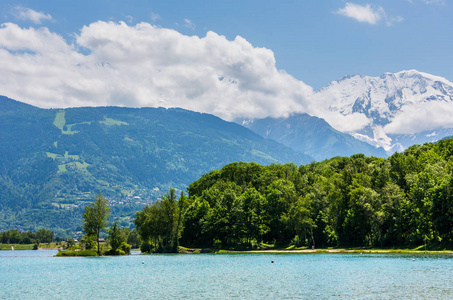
{"type": "Point", "coordinates": [52, 161]}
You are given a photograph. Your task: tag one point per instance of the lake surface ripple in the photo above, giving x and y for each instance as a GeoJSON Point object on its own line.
{"type": "Point", "coordinates": [39, 275]}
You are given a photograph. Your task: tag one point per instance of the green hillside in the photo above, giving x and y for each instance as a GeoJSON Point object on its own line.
{"type": "Point", "coordinates": [53, 161]}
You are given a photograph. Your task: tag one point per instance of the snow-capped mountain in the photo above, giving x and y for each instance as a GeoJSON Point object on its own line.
{"type": "Point", "coordinates": [394, 110]}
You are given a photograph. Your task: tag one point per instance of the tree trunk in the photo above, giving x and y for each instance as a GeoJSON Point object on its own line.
{"type": "Point", "coordinates": [312, 238]}
{"type": "Point", "coordinates": [97, 238]}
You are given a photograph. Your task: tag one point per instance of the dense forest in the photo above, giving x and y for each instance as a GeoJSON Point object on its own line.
{"type": "Point", "coordinates": [406, 199]}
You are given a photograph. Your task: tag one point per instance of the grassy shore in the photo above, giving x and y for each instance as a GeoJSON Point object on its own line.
{"type": "Point", "coordinates": [16, 246]}
{"type": "Point", "coordinates": [42, 246]}
{"type": "Point", "coordinates": [77, 253]}
{"type": "Point", "coordinates": [337, 251]}
{"type": "Point", "coordinates": [304, 250]}
{"type": "Point", "coordinates": [269, 249]}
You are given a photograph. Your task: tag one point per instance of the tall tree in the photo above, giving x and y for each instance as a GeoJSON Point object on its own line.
{"type": "Point", "coordinates": [160, 224]}
{"type": "Point", "coordinates": [95, 217]}
{"type": "Point", "coordinates": [116, 238]}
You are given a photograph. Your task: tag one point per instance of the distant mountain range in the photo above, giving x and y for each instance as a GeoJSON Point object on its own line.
{"type": "Point", "coordinates": [53, 161]}
{"type": "Point", "coordinates": [312, 136]}
{"type": "Point", "coordinates": [403, 108]}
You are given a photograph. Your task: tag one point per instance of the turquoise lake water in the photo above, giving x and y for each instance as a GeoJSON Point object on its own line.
{"type": "Point", "coordinates": [39, 275]}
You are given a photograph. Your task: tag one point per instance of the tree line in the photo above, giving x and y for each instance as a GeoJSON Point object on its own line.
{"type": "Point", "coordinates": [14, 236]}
{"type": "Point", "coordinates": [406, 199]}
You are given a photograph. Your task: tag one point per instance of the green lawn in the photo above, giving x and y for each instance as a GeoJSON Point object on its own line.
{"type": "Point", "coordinates": [112, 122]}
{"type": "Point", "coordinates": [16, 246]}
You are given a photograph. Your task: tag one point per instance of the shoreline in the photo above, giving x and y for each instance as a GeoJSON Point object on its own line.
{"type": "Point", "coordinates": [337, 251]}
{"type": "Point", "coordinates": [183, 250]}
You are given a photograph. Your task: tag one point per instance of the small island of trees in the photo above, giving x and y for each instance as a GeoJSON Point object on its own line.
{"type": "Point", "coordinates": [94, 221]}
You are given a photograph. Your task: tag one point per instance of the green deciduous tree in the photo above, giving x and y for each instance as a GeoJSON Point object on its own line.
{"type": "Point", "coordinates": [117, 240]}
{"type": "Point", "coordinates": [160, 224]}
{"type": "Point", "coordinates": [95, 218]}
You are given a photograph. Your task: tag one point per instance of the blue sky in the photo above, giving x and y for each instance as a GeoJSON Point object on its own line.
{"type": "Point", "coordinates": [159, 53]}
{"type": "Point", "coordinates": [309, 40]}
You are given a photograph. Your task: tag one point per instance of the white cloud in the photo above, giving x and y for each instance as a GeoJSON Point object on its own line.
{"type": "Point", "coordinates": [189, 24]}
{"type": "Point", "coordinates": [319, 106]}
{"type": "Point", "coordinates": [391, 21]}
{"type": "Point", "coordinates": [422, 117]}
{"type": "Point", "coordinates": [27, 14]}
{"type": "Point", "coordinates": [362, 13]}
{"type": "Point", "coordinates": [368, 14]}
{"type": "Point", "coordinates": [144, 65]}
{"type": "Point", "coordinates": [438, 2]}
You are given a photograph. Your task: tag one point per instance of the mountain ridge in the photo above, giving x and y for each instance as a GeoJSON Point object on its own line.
{"type": "Point", "coordinates": [311, 135]}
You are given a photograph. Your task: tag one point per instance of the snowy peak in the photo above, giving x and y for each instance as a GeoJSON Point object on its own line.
{"type": "Point", "coordinates": [379, 98]}
{"type": "Point", "coordinates": [393, 103]}
{"type": "Point", "coordinates": [420, 75]}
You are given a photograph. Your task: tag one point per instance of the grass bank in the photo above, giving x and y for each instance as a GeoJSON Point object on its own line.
{"type": "Point", "coordinates": [336, 251]}
{"type": "Point", "coordinates": [41, 246]}
{"type": "Point", "coordinates": [76, 253]}
{"type": "Point", "coordinates": [16, 246]}
{"type": "Point", "coordinates": [301, 250]}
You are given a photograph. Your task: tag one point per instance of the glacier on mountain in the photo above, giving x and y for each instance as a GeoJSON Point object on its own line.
{"type": "Point", "coordinates": [386, 110]}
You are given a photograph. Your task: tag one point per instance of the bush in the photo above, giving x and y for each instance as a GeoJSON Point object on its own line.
{"type": "Point", "coordinates": [123, 249]}
{"type": "Point", "coordinates": [126, 248]}
{"type": "Point", "coordinates": [71, 243]}
{"type": "Point", "coordinates": [145, 247]}
{"type": "Point", "coordinates": [90, 242]}
{"type": "Point", "coordinates": [77, 253]}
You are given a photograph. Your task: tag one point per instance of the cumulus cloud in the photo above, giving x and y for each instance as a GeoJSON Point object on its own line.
{"type": "Point", "coordinates": [321, 104]}
{"type": "Point", "coordinates": [27, 14]}
{"type": "Point", "coordinates": [145, 65]}
{"type": "Point", "coordinates": [422, 117]}
{"type": "Point", "coordinates": [346, 123]}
